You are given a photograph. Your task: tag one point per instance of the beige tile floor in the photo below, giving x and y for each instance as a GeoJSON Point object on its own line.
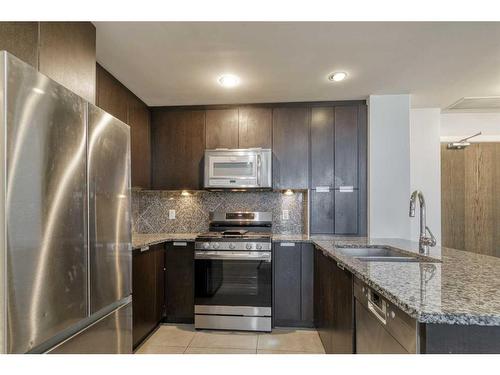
{"type": "Point", "coordinates": [183, 338]}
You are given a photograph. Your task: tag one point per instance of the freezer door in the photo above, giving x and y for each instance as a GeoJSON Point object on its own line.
{"type": "Point", "coordinates": [109, 208]}
{"type": "Point", "coordinates": [45, 206]}
{"type": "Point", "coordinates": [110, 335]}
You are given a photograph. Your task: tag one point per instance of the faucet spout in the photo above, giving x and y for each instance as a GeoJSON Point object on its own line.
{"type": "Point", "coordinates": [424, 240]}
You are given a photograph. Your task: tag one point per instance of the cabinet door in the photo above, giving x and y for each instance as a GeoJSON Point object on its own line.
{"type": "Point", "coordinates": [291, 147]}
{"type": "Point", "coordinates": [143, 294]}
{"type": "Point", "coordinates": [287, 284]}
{"type": "Point", "coordinates": [325, 327]}
{"type": "Point", "coordinates": [222, 128]}
{"type": "Point", "coordinates": [346, 146]}
{"type": "Point", "coordinates": [139, 121]}
{"type": "Point", "coordinates": [21, 40]}
{"type": "Point", "coordinates": [112, 96]}
{"type": "Point", "coordinates": [322, 147]}
{"type": "Point", "coordinates": [362, 169]}
{"type": "Point", "coordinates": [318, 293]}
{"type": "Point", "coordinates": [178, 145]}
{"type": "Point", "coordinates": [322, 212]}
{"type": "Point", "coordinates": [67, 54]}
{"type": "Point", "coordinates": [343, 313]}
{"type": "Point", "coordinates": [160, 281]}
{"type": "Point", "coordinates": [307, 285]}
{"type": "Point", "coordinates": [346, 212]}
{"type": "Point", "coordinates": [179, 282]}
{"type": "Point", "coordinates": [255, 127]}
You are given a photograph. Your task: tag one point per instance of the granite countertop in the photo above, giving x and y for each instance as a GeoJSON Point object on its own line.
{"type": "Point", "coordinates": [459, 288]}
{"type": "Point", "coordinates": [141, 240]}
{"type": "Point", "coordinates": [456, 287]}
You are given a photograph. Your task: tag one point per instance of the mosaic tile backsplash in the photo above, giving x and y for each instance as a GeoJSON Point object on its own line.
{"type": "Point", "coordinates": [150, 209]}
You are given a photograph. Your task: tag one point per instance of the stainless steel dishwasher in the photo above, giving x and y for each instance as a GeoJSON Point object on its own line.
{"type": "Point", "coordinates": [381, 327]}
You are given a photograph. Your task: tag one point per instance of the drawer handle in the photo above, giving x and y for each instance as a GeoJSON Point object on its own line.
{"type": "Point", "coordinates": [287, 244]}
{"type": "Point", "coordinates": [180, 243]}
{"type": "Point", "coordinates": [346, 189]}
{"type": "Point", "coordinates": [144, 248]}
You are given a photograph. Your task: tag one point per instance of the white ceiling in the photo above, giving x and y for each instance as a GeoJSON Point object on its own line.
{"type": "Point", "coordinates": [169, 63]}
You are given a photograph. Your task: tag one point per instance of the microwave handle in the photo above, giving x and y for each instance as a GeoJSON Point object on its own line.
{"type": "Point", "coordinates": [259, 163]}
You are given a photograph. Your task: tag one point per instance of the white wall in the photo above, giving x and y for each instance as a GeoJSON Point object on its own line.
{"type": "Point", "coordinates": [388, 166]}
{"type": "Point", "coordinates": [455, 126]}
{"type": "Point", "coordinates": [425, 166]}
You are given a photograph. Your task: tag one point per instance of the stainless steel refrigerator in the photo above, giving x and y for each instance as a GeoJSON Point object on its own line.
{"type": "Point", "coordinates": [65, 230]}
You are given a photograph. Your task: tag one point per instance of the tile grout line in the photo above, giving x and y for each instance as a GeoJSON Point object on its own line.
{"type": "Point", "coordinates": [190, 341]}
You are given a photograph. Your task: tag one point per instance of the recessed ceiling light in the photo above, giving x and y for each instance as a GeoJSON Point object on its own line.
{"type": "Point", "coordinates": [337, 76]}
{"type": "Point", "coordinates": [229, 80]}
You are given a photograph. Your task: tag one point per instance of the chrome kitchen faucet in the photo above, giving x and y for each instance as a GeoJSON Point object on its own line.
{"type": "Point", "coordinates": [424, 241]}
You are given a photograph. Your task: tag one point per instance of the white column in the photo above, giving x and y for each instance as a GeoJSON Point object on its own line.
{"type": "Point", "coordinates": [425, 159]}
{"type": "Point", "coordinates": [388, 166]}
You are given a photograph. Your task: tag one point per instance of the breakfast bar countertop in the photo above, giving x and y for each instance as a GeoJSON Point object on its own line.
{"type": "Point", "coordinates": [459, 287]}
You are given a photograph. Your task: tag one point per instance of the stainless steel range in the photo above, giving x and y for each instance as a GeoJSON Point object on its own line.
{"type": "Point", "coordinates": [233, 272]}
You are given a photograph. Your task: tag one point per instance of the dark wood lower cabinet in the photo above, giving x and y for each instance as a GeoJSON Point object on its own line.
{"type": "Point", "coordinates": [147, 303]}
{"type": "Point", "coordinates": [343, 311]}
{"type": "Point", "coordinates": [293, 284]}
{"type": "Point", "coordinates": [323, 303]}
{"type": "Point", "coordinates": [333, 305]}
{"type": "Point", "coordinates": [179, 282]}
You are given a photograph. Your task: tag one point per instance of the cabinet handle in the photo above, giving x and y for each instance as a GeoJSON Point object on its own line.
{"type": "Point", "coordinates": [287, 244]}
{"type": "Point", "coordinates": [340, 266]}
{"type": "Point", "coordinates": [346, 189]}
{"type": "Point", "coordinates": [180, 244]}
{"type": "Point", "coordinates": [144, 248]}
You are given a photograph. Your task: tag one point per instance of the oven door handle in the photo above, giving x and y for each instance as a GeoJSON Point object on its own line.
{"type": "Point", "coordinates": [222, 255]}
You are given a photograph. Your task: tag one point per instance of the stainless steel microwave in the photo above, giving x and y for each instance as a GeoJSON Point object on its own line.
{"type": "Point", "coordinates": [238, 168]}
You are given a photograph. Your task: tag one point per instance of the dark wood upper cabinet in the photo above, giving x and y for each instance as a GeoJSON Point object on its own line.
{"type": "Point", "coordinates": [21, 40]}
{"type": "Point", "coordinates": [322, 147]}
{"type": "Point", "coordinates": [120, 102]}
{"type": "Point", "coordinates": [291, 147]}
{"type": "Point", "coordinates": [362, 169]}
{"type": "Point", "coordinates": [112, 96]}
{"type": "Point", "coordinates": [255, 127]}
{"type": "Point", "coordinates": [346, 146]}
{"type": "Point", "coordinates": [140, 137]}
{"type": "Point", "coordinates": [222, 128]}
{"type": "Point", "coordinates": [67, 54]}
{"type": "Point", "coordinates": [346, 212]}
{"type": "Point", "coordinates": [64, 51]}
{"type": "Point", "coordinates": [322, 212]}
{"type": "Point", "coordinates": [178, 146]}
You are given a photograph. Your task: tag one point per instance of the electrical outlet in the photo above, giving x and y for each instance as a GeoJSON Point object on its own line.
{"type": "Point", "coordinates": [171, 214]}
{"type": "Point", "coordinates": [286, 215]}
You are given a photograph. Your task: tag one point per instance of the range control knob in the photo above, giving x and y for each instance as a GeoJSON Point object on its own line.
{"type": "Point", "coordinates": [216, 245]}
{"type": "Point", "coordinates": [232, 246]}
{"type": "Point", "coordinates": [258, 246]}
{"type": "Point", "coordinates": [393, 314]}
{"type": "Point", "coordinates": [248, 246]}
{"type": "Point", "coordinates": [206, 245]}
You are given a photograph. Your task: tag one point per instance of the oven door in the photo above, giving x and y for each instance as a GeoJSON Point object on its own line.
{"type": "Point", "coordinates": [224, 278]}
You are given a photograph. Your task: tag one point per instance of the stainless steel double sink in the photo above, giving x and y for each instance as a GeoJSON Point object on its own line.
{"type": "Point", "coordinates": [380, 254]}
